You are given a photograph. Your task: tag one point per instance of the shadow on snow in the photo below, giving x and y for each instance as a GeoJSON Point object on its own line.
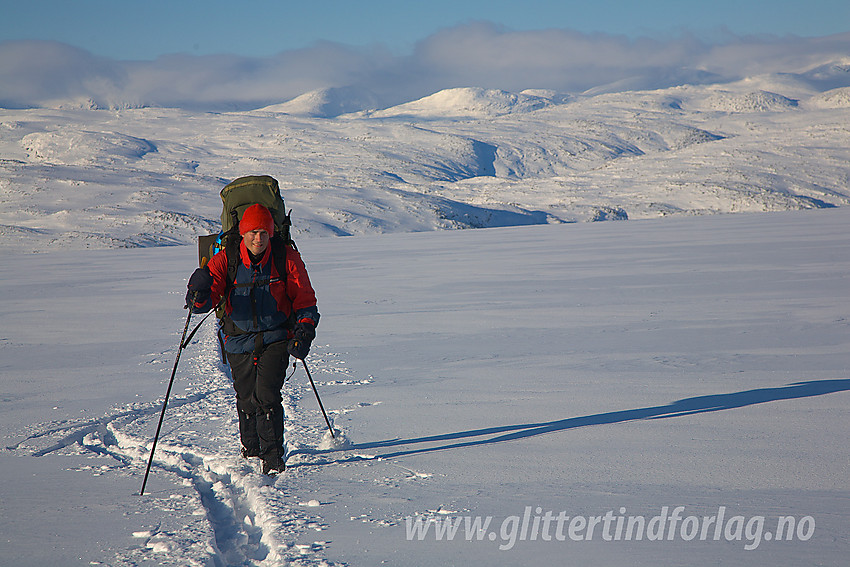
{"type": "Point", "coordinates": [679, 408]}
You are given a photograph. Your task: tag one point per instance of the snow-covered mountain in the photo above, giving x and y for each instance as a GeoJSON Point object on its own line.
{"type": "Point", "coordinates": [461, 157]}
{"type": "Point", "coordinates": [466, 103]}
{"type": "Point", "coordinates": [835, 98]}
{"type": "Point", "coordinates": [327, 103]}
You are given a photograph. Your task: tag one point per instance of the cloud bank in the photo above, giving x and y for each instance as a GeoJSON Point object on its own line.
{"type": "Point", "coordinates": [480, 54]}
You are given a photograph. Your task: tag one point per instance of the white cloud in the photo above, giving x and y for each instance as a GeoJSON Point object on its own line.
{"type": "Point", "coordinates": [36, 73]}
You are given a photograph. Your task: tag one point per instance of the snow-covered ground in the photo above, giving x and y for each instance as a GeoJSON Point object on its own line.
{"type": "Point", "coordinates": [514, 373]}
{"type": "Point", "coordinates": [653, 392]}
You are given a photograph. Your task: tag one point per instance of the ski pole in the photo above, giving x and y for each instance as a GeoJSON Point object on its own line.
{"type": "Point", "coordinates": [318, 399]}
{"type": "Point", "coordinates": [168, 391]}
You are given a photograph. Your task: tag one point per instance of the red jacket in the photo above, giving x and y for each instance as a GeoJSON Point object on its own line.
{"type": "Point", "coordinates": [263, 302]}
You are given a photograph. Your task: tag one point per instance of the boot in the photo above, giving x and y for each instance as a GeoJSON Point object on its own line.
{"type": "Point", "coordinates": [273, 465]}
{"type": "Point", "coordinates": [248, 453]}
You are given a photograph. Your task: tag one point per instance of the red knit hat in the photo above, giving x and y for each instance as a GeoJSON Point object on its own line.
{"type": "Point", "coordinates": [256, 217]}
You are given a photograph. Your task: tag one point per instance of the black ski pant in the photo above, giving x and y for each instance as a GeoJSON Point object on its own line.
{"type": "Point", "coordinates": [258, 380]}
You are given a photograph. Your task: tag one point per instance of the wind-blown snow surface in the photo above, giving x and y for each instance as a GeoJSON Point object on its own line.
{"type": "Point", "coordinates": [459, 158]}
{"type": "Point", "coordinates": [606, 369]}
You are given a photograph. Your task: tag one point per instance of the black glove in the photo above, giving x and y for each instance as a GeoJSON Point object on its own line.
{"type": "Point", "coordinates": [200, 283]}
{"type": "Point", "coordinates": [299, 344]}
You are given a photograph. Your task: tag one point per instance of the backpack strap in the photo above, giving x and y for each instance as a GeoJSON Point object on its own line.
{"type": "Point", "coordinates": [231, 250]}
{"type": "Point", "coordinates": [230, 241]}
{"type": "Point", "coordinates": [278, 245]}
{"type": "Point", "coordinates": [279, 241]}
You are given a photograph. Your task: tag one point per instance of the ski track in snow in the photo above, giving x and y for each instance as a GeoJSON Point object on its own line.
{"type": "Point", "coordinates": [250, 519]}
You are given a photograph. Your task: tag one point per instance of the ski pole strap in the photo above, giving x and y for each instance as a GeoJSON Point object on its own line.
{"type": "Point", "coordinates": [286, 378]}
{"type": "Point", "coordinates": [195, 330]}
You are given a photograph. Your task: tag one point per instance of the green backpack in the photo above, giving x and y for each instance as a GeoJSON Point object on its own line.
{"type": "Point", "coordinates": [236, 197]}
{"type": "Point", "coordinates": [241, 193]}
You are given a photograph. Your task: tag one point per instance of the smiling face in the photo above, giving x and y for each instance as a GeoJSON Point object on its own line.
{"type": "Point", "coordinates": [256, 241]}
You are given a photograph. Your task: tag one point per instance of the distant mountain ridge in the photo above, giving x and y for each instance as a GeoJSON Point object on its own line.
{"type": "Point", "coordinates": [464, 157]}
{"type": "Point", "coordinates": [779, 91]}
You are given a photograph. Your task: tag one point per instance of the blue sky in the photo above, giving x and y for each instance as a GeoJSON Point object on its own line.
{"type": "Point", "coordinates": [145, 30]}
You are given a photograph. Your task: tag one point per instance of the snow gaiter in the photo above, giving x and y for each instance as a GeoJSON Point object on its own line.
{"type": "Point", "coordinates": [270, 431]}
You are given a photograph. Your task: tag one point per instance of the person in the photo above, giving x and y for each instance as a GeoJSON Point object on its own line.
{"type": "Point", "coordinates": [266, 320]}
